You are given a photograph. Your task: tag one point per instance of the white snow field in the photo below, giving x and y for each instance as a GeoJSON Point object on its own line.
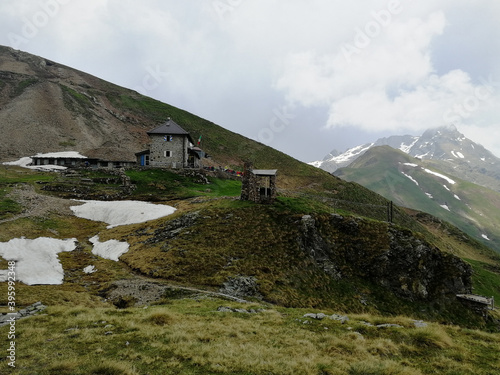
{"type": "Point", "coordinates": [111, 249]}
{"type": "Point", "coordinates": [117, 213]}
{"type": "Point", "coordinates": [36, 260]}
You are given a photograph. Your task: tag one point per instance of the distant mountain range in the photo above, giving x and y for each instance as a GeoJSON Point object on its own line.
{"type": "Point", "coordinates": [441, 172]}
{"type": "Point", "coordinates": [445, 147]}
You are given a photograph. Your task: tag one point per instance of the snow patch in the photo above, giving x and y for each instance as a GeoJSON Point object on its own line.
{"type": "Point", "coordinates": [429, 195]}
{"type": "Point", "coordinates": [26, 161]}
{"type": "Point", "coordinates": [457, 197]}
{"type": "Point", "coordinates": [421, 156]}
{"type": "Point", "coordinates": [407, 148]}
{"type": "Point", "coordinates": [23, 162]}
{"type": "Point", "coordinates": [117, 213]}
{"type": "Point", "coordinates": [36, 260]}
{"type": "Point", "coordinates": [111, 249]}
{"type": "Point", "coordinates": [485, 237]}
{"type": "Point", "coordinates": [411, 165]}
{"type": "Point", "coordinates": [446, 187]}
{"type": "Point", "coordinates": [89, 269]}
{"type": "Point", "coordinates": [64, 154]}
{"type": "Point", "coordinates": [316, 164]}
{"type": "Point", "coordinates": [440, 176]}
{"type": "Point", "coordinates": [445, 207]}
{"type": "Point", "coordinates": [352, 153]}
{"type": "Point", "coordinates": [458, 155]}
{"type": "Point", "coordinates": [411, 178]}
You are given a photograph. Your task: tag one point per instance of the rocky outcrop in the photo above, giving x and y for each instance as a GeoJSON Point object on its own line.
{"type": "Point", "coordinates": [416, 270]}
{"type": "Point", "coordinates": [23, 313]}
{"type": "Point", "coordinates": [389, 256]}
{"type": "Point", "coordinates": [312, 243]}
{"type": "Point", "coordinates": [172, 229]}
{"type": "Point", "coordinates": [241, 287]}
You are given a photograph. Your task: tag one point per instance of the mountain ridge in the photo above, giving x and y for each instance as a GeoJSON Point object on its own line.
{"type": "Point", "coordinates": [444, 147]}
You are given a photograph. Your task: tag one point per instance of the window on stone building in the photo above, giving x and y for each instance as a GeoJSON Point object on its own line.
{"type": "Point", "coordinates": [167, 154]}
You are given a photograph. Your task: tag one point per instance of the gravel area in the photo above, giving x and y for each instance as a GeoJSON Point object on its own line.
{"type": "Point", "coordinates": [38, 205]}
{"type": "Point", "coordinates": [140, 291]}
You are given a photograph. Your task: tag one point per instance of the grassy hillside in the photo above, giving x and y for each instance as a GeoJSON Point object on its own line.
{"type": "Point", "coordinates": [403, 179]}
{"type": "Point", "coordinates": [182, 332]}
{"type": "Point", "coordinates": [223, 146]}
{"type": "Point", "coordinates": [190, 336]}
{"type": "Point", "coordinates": [229, 238]}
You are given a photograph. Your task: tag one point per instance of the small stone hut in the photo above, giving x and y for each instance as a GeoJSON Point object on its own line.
{"type": "Point", "coordinates": [258, 185]}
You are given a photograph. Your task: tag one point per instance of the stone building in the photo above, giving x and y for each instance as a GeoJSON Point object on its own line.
{"type": "Point", "coordinates": [171, 147]}
{"type": "Point", "coordinates": [258, 185]}
{"type": "Point", "coordinates": [75, 160]}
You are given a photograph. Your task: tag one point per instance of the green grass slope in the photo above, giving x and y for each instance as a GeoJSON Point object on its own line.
{"type": "Point", "coordinates": [191, 337]}
{"type": "Point", "coordinates": [407, 181]}
{"type": "Point", "coordinates": [183, 333]}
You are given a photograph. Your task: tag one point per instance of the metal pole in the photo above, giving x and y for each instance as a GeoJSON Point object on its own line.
{"type": "Point", "coordinates": [392, 211]}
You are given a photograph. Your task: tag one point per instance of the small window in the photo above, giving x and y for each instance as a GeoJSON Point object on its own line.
{"type": "Point", "coordinates": [167, 138]}
{"type": "Point", "coordinates": [167, 154]}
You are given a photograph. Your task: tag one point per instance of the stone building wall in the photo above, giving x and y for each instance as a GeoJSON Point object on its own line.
{"type": "Point", "coordinates": [177, 147]}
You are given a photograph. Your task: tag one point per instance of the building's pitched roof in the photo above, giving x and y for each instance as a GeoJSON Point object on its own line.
{"type": "Point", "coordinates": [264, 172]}
{"type": "Point", "coordinates": [169, 127]}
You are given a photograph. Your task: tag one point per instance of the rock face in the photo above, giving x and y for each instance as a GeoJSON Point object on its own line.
{"type": "Point", "coordinates": [390, 257]}
{"type": "Point", "coordinates": [416, 270]}
{"type": "Point", "coordinates": [312, 243]}
{"type": "Point", "coordinates": [241, 286]}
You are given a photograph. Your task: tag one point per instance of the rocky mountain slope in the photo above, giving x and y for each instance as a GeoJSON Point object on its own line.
{"type": "Point", "coordinates": [45, 106]}
{"type": "Point", "coordinates": [444, 147]}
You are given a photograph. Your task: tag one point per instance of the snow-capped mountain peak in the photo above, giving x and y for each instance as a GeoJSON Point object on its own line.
{"type": "Point", "coordinates": [442, 143]}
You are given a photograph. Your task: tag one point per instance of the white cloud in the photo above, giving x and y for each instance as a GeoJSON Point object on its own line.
{"type": "Point", "coordinates": [391, 83]}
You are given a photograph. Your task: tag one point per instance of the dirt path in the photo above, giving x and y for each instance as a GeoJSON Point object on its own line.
{"type": "Point", "coordinates": [38, 205]}
{"type": "Point", "coordinates": [144, 291]}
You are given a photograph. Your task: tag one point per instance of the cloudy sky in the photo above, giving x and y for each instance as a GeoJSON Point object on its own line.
{"type": "Point", "coordinates": [304, 77]}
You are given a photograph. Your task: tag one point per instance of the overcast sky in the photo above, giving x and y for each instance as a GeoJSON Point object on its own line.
{"type": "Point", "coordinates": [304, 77]}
